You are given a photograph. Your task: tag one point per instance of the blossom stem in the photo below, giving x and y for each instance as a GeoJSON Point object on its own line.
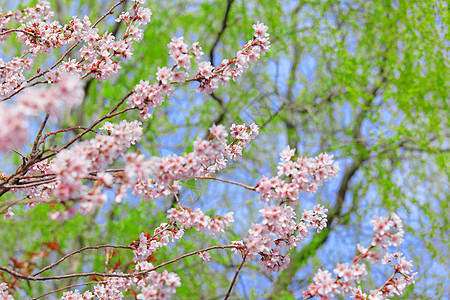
{"type": "Point", "coordinates": [17, 30]}
{"type": "Point", "coordinates": [388, 280]}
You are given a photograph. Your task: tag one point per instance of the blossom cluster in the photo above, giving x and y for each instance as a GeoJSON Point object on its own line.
{"type": "Point", "coordinates": [41, 10]}
{"type": "Point", "coordinates": [302, 174]}
{"type": "Point", "coordinates": [152, 178]}
{"type": "Point", "coordinates": [209, 77]}
{"type": "Point", "coordinates": [152, 285]}
{"type": "Point", "coordinates": [74, 164]}
{"type": "Point", "coordinates": [102, 55]}
{"type": "Point", "coordinates": [388, 231]}
{"type": "Point", "coordinates": [11, 72]}
{"type": "Point", "coordinates": [155, 285]}
{"type": "Point", "coordinates": [3, 292]}
{"type": "Point", "coordinates": [146, 245]}
{"type": "Point", "coordinates": [147, 96]}
{"type": "Point", "coordinates": [113, 289]}
{"type": "Point", "coordinates": [66, 93]}
{"type": "Point", "coordinates": [279, 230]}
{"type": "Point", "coordinates": [159, 176]}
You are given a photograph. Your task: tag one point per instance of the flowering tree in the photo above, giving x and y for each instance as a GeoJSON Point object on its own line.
{"type": "Point", "coordinates": [91, 165]}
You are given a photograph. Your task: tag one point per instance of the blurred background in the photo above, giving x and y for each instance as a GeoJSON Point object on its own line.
{"type": "Point", "coordinates": [366, 81]}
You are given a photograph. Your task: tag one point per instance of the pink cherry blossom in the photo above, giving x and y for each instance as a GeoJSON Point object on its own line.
{"type": "Point", "coordinates": [205, 256]}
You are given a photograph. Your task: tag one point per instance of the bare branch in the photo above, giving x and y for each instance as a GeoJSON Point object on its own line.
{"type": "Point", "coordinates": [236, 274]}
{"type": "Point", "coordinates": [252, 188]}
{"type": "Point", "coordinates": [78, 251]}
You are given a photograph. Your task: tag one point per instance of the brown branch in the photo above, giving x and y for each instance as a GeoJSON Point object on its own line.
{"type": "Point", "coordinates": [78, 251]}
{"type": "Point", "coordinates": [27, 185]}
{"type": "Point", "coordinates": [68, 287]}
{"type": "Point", "coordinates": [61, 131]}
{"type": "Point", "coordinates": [20, 153]}
{"type": "Point", "coordinates": [53, 174]}
{"type": "Point", "coordinates": [62, 57]}
{"type": "Point", "coordinates": [22, 170]}
{"type": "Point", "coordinates": [236, 274]}
{"type": "Point", "coordinates": [252, 188]}
{"type": "Point", "coordinates": [10, 204]}
{"type": "Point", "coordinates": [21, 88]}
{"type": "Point", "coordinates": [175, 196]}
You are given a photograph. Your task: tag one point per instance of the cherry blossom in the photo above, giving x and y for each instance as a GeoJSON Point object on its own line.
{"type": "Point", "coordinates": [205, 256]}
{"type": "Point", "coordinates": [159, 176]}
{"type": "Point", "coordinates": [348, 276]}
{"type": "Point", "coordinates": [155, 285]}
{"type": "Point", "coordinates": [4, 295]}
{"type": "Point", "coordinates": [301, 174]}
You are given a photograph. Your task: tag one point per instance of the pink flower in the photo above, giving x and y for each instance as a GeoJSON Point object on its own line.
{"type": "Point", "coordinates": [9, 214]}
{"type": "Point", "coordinates": [205, 69]}
{"type": "Point", "coordinates": [164, 75]}
{"type": "Point", "coordinates": [13, 130]}
{"type": "Point", "coordinates": [260, 30]}
{"type": "Point", "coordinates": [205, 256]}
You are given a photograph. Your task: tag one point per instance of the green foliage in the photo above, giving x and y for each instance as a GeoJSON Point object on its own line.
{"type": "Point", "coordinates": [377, 94]}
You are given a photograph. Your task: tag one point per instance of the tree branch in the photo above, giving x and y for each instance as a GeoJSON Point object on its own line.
{"type": "Point", "coordinates": [87, 274]}
{"type": "Point", "coordinates": [222, 30]}
{"type": "Point", "coordinates": [236, 274]}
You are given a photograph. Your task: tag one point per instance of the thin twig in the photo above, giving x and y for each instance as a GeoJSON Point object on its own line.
{"type": "Point", "coordinates": [68, 287]}
{"type": "Point", "coordinates": [18, 152]}
{"type": "Point", "coordinates": [389, 279]}
{"type": "Point", "coordinates": [38, 136]}
{"type": "Point", "coordinates": [222, 30]}
{"type": "Point", "coordinates": [87, 274]}
{"type": "Point", "coordinates": [17, 30]}
{"type": "Point", "coordinates": [78, 251]}
{"type": "Point", "coordinates": [107, 116]}
{"type": "Point", "coordinates": [31, 184]}
{"type": "Point", "coordinates": [60, 131]}
{"type": "Point", "coordinates": [175, 195]}
{"type": "Point", "coordinates": [252, 188]}
{"type": "Point", "coordinates": [236, 274]}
